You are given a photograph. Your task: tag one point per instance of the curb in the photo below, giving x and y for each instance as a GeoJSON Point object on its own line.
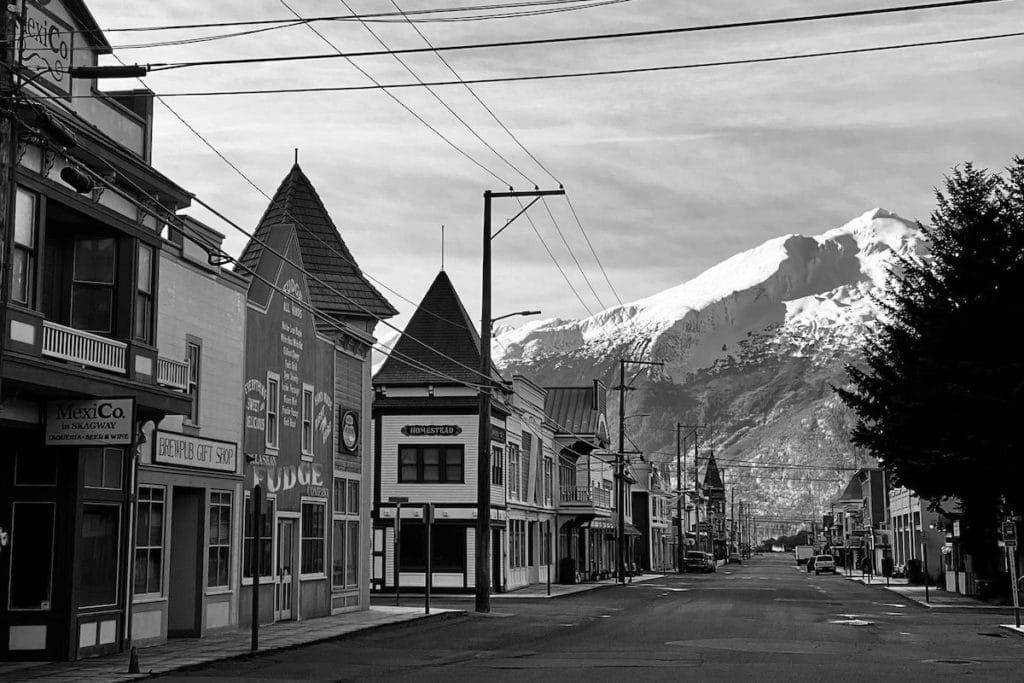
{"type": "Point", "coordinates": [1013, 629]}
{"type": "Point", "coordinates": [439, 616]}
{"type": "Point", "coordinates": [981, 608]}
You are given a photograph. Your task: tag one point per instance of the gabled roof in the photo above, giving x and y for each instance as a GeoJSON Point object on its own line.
{"type": "Point", "coordinates": [576, 411]}
{"type": "Point", "coordinates": [324, 253]}
{"type": "Point", "coordinates": [440, 335]}
{"type": "Point", "coordinates": [712, 477]}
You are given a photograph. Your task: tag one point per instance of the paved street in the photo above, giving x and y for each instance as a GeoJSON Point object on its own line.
{"type": "Point", "coordinates": [763, 620]}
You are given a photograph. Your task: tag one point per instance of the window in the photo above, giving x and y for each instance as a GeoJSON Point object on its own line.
{"type": "Point", "coordinates": [517, 543]}
{"type": "Point", "coordinates": [92, 287]}
{"type": "Point", "coordinates": [307, 420]}
{"type": "Point", "coordinates": [218, 569]}
{"type": "Point", "coordinates": [313, 535]}
{"type": "Point", "coordinates": [447, 545]}
{"type": "Point", "coordinates": [524, 468]}
{"type": "Point", "coordinates": [193, 355]}
{"type": "Point", "coordinates": [102, 467]}
{"type": "Point", "coordinates": [272, 398]}
{"type": "Point", "coordinates": [149, 540]}
{"type": "Point", "coordinates": [497, 466]}
{"type": "Point", "coordinates": [143, 323]}
{"type": "Point", "coordinates": [430, 464]}
{"type": "Point", "coordinates": [99, 541]}
{"type": "Point", "coordinates": [549, 470]}
{"type": "Point", "coordinates": [266, 538]}
{"type": "Point", "coordinates": [513, 472]}
{"type": "Point", "coordinates": [345, 534]}
{"type": "Point", "coordinates": [23, 258]}
{"type": "Point", "coordinates": [31, 555]}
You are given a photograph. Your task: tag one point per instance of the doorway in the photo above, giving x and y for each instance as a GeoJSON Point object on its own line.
{"type": "Point", "coordinates": [496, 563]}
{"type": "Point", "coordinates": [284, 603]}
{"type": "Point", "coordinates": [184, 586]}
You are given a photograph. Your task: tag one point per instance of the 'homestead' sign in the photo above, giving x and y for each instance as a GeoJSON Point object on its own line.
{"type": "Point", "coordinates": [431, 430]}
{"type": "Point", "coordinates": [100, 421]}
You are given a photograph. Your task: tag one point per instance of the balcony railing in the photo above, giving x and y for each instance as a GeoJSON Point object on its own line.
{"type": "Point", "coordinates": [76, 346]}
{"type": "Point", "coordinates": [172, 373]}
{"type": "Point", "coordinates": [589, 496]}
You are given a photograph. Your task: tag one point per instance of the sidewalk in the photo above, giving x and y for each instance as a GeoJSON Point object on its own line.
{"type": "Point", "coordinates": [540, 590]}
{"type": "Point", "coordinates": [186, 652]}
{"type": "Point", "coordinates": [939, 599]}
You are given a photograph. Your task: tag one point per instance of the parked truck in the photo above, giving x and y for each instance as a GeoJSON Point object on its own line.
{"type": "Point", "coordinates": [803, 553]}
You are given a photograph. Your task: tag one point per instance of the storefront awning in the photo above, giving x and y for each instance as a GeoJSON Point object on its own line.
{"type": "Point", "coordinates": [598, 523]}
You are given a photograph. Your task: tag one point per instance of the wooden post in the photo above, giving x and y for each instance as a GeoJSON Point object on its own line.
{"type": "Point", "coordinates": [257, 524]}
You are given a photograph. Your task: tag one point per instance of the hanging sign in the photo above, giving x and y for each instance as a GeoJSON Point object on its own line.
{"type": "Point", "coordinates": [95, 422]}
{"type": "Point", "coordinates": [349, 431]}
{"type": "Point", "coordinates": [49, 46]}
{"type": "Point", "coordinates": [190, 451]}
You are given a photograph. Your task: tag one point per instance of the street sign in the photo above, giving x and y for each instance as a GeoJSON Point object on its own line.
{"type": "Point", "coordinates": [1009, 532]}
{"type": "Point", "coordinates": [398, 499]}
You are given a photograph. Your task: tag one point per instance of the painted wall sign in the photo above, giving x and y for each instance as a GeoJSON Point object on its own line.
{"type": "Point", "coordinates": [431, 430]}
{"type": "Point", "coordinates": [349, 431]}
{"type": "Point", "coordinates": [100, 421]}
{"type": "Point", "coordinates": [190, 451]}
{"type": "Point", "coordinates": [315, 491]}
{"type": "Point", "coordinates": [49, 46]}
{"type": "Point", "coordinates": [324, 416]}
{"type": "Point", "coordinates": [287, 477]}
{"type": "Point", "coordinates": [255, 405]}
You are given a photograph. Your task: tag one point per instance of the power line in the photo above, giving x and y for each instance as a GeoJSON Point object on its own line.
{"type": "Point", "coordinates": [592, 251]}
{"type": "Point", "coordinates": [585, 74]}
{"type": "Point", "coordinates": [164, 66]}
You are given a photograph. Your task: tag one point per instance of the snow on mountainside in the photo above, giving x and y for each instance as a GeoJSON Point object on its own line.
{"type": "Point", "coordinates": [812, 287]}
{"type": "Point", "coordinates": [751, 346]}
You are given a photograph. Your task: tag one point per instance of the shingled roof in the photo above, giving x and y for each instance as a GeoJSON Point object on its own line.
{"type": "Point", "coordinates": [440, 335]}
{"type": "Point", "coordinates": [324, 253]}
{"type": "Point", "coordinates": [712, 477]}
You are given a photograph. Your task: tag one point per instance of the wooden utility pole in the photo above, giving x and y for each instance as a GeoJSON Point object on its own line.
{"type": "Point", "coordinates": [8, 157]}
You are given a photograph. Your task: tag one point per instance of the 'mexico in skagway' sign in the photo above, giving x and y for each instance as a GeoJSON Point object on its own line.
{"type": "Point", "coordinates": [431, 430]}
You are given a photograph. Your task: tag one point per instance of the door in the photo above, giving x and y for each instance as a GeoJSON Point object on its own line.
{"type": "Point", "coordinates": [284, 602]}
{"type": "Point", "coordinates": [496, 563]}
{"type": "Point", "coordinates": [184, 588]}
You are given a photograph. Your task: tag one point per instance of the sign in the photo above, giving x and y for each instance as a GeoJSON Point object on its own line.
{"type": "Point", "coordinates": [95, 422]}
{"type": "Point", "coordinates": [349, 431]}
{"type": "Point", "coordinates": [49, 47]}
{"type": "Point", "coordinates": [498, 434]}
{"type": "Point", "coordinates": [432, 430]}
{"type": "Point", "coordinates": [1009, 532]}
{"type": "Point", "coordinates": [191, 451]}
{"type": "Point", "coordinates": [286, 477]}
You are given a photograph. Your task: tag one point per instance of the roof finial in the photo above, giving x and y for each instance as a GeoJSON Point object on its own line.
{"type": "Point", "coordinates": [296, 156]}
{"type": "Point", "coordinates": [442, 247]}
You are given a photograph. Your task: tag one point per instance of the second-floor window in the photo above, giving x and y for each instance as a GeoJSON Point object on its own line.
{"type": "Point", "coordinates": [24, 257]}
{"type": "Point", "coordinates": [193, 355]}
{"type": "Point", "coordinates": [92, 287]}
{"type": "Point", "coordinates": [513, 472]}
{"type": "Point", "coordinates": [497, 466]}
{"type": "Point", "coordinates": [142, 327]}
{"type": "Point", "coordinates": [272, 409]}
{"type": "Point", "coordinates": [431, 464]}
{"type": "Point", "coordinates": [307, 420]}
{"type": "Point", "coordinates": [549, 471]}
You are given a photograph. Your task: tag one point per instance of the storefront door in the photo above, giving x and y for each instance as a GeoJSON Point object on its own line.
{"type": "Point", "coordinates": [285, 550]}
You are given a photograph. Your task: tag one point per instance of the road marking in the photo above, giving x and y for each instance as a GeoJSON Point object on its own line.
{"type": "Point", "coordinates": [851, 622]}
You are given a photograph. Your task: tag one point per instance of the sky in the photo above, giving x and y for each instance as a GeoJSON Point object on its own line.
{"type": "Point", "coordinates": [669, 172]}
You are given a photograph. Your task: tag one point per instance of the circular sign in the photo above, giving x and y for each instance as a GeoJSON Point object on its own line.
{"type": "Point", "coordinates": [349, 431]}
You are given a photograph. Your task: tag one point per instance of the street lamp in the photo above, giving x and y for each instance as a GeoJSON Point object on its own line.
{"type": "Point", "coordinates": [483, 456]}
{"type": "Point", "coordinates": [509, 315]}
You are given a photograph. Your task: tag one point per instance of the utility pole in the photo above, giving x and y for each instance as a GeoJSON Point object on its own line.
{"type": "Point", "coordinates": [679, 500]}
{"type": "Point", "coordinates": [620, 464]}
{"type": "Point", "coordinates": [8, 163]}
{"type": "Point", "coordinates": [483, 474]}
{"type": "Point", "coordinates": [696, 484]}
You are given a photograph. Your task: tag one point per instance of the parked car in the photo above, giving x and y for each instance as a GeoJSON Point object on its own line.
{"type": "Point", "coordinates": [824, 563]}
{"type": "Point", "coordinates": [734, 558]}
{"type": "Point", "coordinates": [696, 561]}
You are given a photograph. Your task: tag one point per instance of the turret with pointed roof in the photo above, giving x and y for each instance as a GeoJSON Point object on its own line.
{"type": "Point", "coordinates": [712, 477]}
{"type": "Point", "coordinates": [339, 287]}
{"type": "Point", "coordinates": [439, 345]}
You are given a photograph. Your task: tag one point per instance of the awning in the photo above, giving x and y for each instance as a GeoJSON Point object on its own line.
{"type": "Point", "coordinates": [598, 523]}
{"type": "Point", "coordinates": [630, 530]}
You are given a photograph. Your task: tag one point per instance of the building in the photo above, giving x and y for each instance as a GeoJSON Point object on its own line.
{"type": "Point", "coordinates": [310, 316]}
{"type": "Point", "coordinates": [861, 520]}
{"type": "Point", "coordinates": [586, 547]}
{"type": "Point", "coordinates": [82, 366]}
{"type": "Point", "coordinates": [917, 532]}
{"type": "Point", "coordinates": [425, 445]}
{"type": "Point", "coordinates": [652, 516]}
{"type": "Point", "coordinates": [714, 490]}
{"type": "Point", "coordinates": [185, 576]}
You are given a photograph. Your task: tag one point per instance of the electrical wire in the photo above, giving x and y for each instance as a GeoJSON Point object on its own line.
{"type": "Point", "coordinates": [164, 66]}
{"type": "Point", "coordinates": [597, 258]}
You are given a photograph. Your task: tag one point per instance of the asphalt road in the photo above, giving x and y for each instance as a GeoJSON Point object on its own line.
{"type": "Point", "coordinates": [763, 621]}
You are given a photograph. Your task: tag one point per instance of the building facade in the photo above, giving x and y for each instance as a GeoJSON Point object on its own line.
{"type": "Point", "coordinates": [82, 367]}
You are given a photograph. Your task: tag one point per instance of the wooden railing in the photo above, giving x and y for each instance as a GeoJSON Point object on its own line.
{"type": "Point", "coordinates": [172, 373]}
{"type": "Point", "coordinates": [85, 348]}
{"type": "Point", "coordinates": [594, 496]}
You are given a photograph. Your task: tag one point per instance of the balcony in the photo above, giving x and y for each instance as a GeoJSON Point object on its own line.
{"type": "Point", "coordinates": [583, 499]}
{"type": "Point", "coordinates": [172, 373]}
{"type": "Point", "coordinates": [84, 348]}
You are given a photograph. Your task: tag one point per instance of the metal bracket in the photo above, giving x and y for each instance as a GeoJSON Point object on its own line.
{"type": "Point", "coordinates": [49, 156]}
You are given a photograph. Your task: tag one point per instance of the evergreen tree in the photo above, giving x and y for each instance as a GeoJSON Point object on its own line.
{"type": "Point", "coordinates": [940, 398]}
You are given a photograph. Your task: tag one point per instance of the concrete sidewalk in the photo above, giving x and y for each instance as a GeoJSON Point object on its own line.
{"type": "Point", "coordinates": [181, 653]}
{"type": "Point", "coordinates": [539, 591]}
{"type": "Point", "coordinates": [937, 598]}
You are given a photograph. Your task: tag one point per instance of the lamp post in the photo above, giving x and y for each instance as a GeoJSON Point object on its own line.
{"type": "Point", "coordinates": [483, 482]}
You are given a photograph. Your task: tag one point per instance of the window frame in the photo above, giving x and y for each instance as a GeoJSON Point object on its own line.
{"type": "Point", "coordinates": [549, 481]}
{"type": "Point", "coordinates": [306, 423]}
{"type": "Point", "coordinates": [269, 521]}
{"type": "Point", "coordinates": [225, 508]}
{"type": "Point", "coordinates": [514, 455]}
{"type": "Point", "coordinates": [442, 463]}
{"type": "Point", "coordinates": [273, 439]}
{"type": "Point", "coordinates": [497, 465]}
{"type": "Point", "coordinates": [149, 548]}
{"type": "Point", "coordinates": [80, 285]}
{"type": "Point", "coordinates": [30, 252]}
{"type": "Point", "coordinates": [45, 605]}
{"type": "Point", "coordinates": [321, 505]}
{"type": "Point", "coordinates": [143, 303]}
{"type": "Point", "coordinates": [194, 379]}
{"type": "Point", "coordinates": [346, 518]}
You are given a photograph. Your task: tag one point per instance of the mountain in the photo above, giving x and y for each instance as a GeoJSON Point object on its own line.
{"type": "Point", "coordinates": [750, 348]}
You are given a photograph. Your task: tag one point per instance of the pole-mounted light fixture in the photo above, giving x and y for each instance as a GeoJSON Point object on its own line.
{"type": "Point", "coordinates": [511, 315]}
